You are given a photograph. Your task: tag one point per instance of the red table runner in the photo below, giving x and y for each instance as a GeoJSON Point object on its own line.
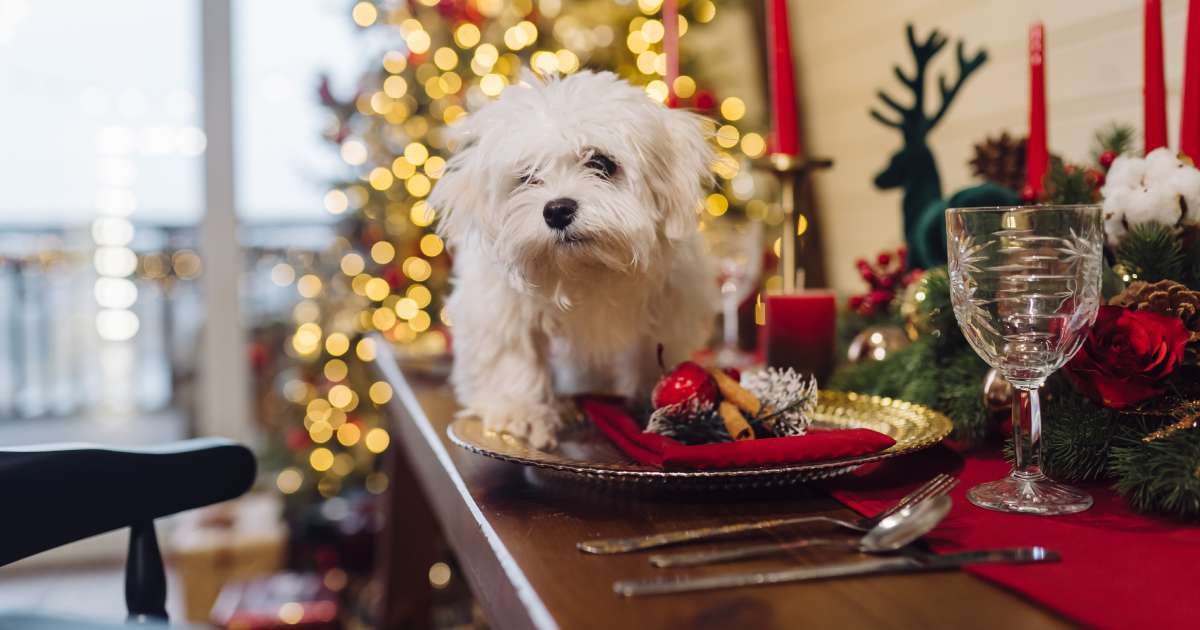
{"type": "Point", "coordinates": [1119, 569]}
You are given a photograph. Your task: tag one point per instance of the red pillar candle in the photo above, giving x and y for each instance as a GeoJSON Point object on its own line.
{"type": "Point", "coordinates": [1037, 158]}
{"type": "Point", "coordinates": [670, 16]}
{"type": "Point", "coordinates": [800, 332]}
{"type": "Point", "coordinates": [1189, 126]}
{"type": "Point", "coordinates": [1154, 84]}
{"type": "Point", "coordinates": [785, 136]}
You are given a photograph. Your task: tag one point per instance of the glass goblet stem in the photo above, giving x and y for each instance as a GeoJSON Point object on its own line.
{"type": "Point", "coordinates": [1027, 434]}
{"type": "Point", "coordinates": [729, 300]}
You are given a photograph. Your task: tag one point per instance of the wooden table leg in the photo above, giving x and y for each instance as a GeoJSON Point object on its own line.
{"type": "Point", "coordinates": [407, 547]}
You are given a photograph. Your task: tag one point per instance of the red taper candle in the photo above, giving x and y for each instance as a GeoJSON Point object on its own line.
{"type": "Point", "coordinates": [1154, 83]}
{"type": "Point", "coordinates": [1189, 126]}
{"type": "Point", "coordinates": [1037, 158]}
{"type": "Point", "coordinates": [785, 138]}
{"type": "Point", "coordinates": [670, 17]}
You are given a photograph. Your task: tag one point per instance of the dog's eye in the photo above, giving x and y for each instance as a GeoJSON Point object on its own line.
{"type": "Point", "coordinates": [529, 179]}
{"type": "Point", "coordinates": [603, 165]}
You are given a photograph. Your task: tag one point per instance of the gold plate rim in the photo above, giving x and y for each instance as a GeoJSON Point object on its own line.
{"type": "Point", "coordinates": [914, 427]}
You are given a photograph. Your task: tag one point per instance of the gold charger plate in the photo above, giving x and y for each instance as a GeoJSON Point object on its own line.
{"type": "Point", "coordinates": [586, 454]}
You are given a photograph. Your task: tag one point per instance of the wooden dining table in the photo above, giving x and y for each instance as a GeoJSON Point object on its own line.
{"type": "Point", "coordinates": [514, 531]}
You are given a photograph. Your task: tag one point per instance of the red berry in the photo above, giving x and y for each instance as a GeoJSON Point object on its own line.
{"type": "Point", "coordinates": [879, 298]}
{"type": "Point", "coordinates": [1028, 194]}
{"type": "Point", "coordinates": [1107, 158]}
{"type": "Point", "coordinates": [868, 276]}
{"type": "Point", "coordinates": [884, 259]}
{"type": "Point", "coordinates": [887, 283]}
{"type": "Point", "coordinates": [1095, 178]}
{"type": "Point", "coordinates": [855, 302]}
{"type": "Point", "coordinates": [687, 380]}
{"type": "Point", "coordinates": [732, 373]}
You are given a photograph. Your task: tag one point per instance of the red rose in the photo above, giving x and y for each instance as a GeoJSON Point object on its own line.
{"type": "Point", "coordinates": [1127, 356]}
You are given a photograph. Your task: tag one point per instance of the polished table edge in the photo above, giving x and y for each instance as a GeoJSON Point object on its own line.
{"type": "Point", "coordinates": [538, 615]}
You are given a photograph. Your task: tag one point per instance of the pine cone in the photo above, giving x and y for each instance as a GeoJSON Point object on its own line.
{"type": "Point", "coordinates": [1169, 298]}
{"type": "Point", "coordinates": [1000, 160]}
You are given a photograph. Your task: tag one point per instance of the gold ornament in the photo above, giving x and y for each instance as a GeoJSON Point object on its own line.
{"type": "Point", "coordinates": [876, 343]}
{"type": "Point", "coordinates": [913, 308]}
{"type": "Point", "coordinates": [997, 395]}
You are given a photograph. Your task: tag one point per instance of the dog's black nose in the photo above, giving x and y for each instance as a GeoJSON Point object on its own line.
{"type": "Point", "coordinates": [560, 212]}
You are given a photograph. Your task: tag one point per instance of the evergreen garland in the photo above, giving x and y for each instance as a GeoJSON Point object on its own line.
{"type": "Point", "coordinates": [1068, 184]}
{"type": "Point", "coordinates": [1151, 251]}
{"type": "Point", "coordinates": [1116, 138]}
{"type": "Point", "coordinates": [1077, 438]}
{"type": "Point", "coordinates": [1082, 441]}
{"type": "Point", "coordinates": [1162, 476]}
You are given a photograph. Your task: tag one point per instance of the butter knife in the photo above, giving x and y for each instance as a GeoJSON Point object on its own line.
{"type": "Point", "coordinates": [897, 564]}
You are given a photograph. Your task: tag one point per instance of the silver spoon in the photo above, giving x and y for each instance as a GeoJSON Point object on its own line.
{"type": "Point", "coordinates": [890, 534]}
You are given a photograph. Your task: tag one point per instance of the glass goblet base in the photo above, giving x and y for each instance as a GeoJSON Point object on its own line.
{"type": "Point", "coordinates": [1029, 494]}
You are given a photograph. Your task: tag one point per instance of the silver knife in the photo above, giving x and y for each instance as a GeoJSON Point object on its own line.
{"type": "Point", "coordinates": [896, 564]}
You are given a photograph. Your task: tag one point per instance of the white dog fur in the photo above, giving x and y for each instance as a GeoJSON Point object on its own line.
{"type": "Point", "coordinates": [538, 312]}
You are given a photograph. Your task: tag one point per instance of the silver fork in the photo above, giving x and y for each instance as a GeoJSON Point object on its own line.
{"type": "Point", "coordinates": [937, 486]}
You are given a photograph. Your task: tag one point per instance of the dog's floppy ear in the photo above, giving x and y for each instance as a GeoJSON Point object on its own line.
{"type": "Point", "coordinates": [683, 158]}
{"type": "Point", "coordinates": [458, 193]}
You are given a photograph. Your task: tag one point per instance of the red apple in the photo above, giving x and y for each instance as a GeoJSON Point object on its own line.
{"type": "Point", "coordinates": [686, 381]}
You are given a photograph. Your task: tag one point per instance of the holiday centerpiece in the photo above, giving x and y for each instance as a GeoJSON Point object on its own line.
{"type": "Point", "coordinates": [1125, 408]}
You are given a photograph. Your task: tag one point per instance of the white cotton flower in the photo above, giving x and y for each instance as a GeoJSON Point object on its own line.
{"type": "Point", "coordinates": [1114, 226]}
{"type": "Point", "coordinates": [1159, 187]}
{"type": "Point", "coordinates": [1126, 172]}
{"type": "Point", "coordinates": [1185, 182]}
{"type": "Point", "coordinates": [1114, 204]}
{"type": "Point", "coordinates": [1161, 164]}
{"type": "Point", "coordinates": [1157, 203]}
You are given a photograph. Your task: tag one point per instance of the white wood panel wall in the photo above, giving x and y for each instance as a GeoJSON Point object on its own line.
{"type": "Point", "coordinates": [845, 49]}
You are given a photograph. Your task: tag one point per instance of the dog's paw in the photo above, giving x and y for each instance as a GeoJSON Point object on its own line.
{"type": "Point", "coordinates": [537, 424]}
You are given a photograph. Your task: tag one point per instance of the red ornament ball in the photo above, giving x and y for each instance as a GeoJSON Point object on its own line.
{"type": "Point", "coordinates": [687, 380]}
{"type": "Point", "coordinates": [1028, 194]}
{"type": "Point", "coordinates": [1107, 158]}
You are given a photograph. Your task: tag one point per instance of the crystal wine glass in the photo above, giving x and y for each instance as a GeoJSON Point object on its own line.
{"type": "Point", "coordinates": [1025, 285]}
{"type": "Point", "coordinates": [736, 246]}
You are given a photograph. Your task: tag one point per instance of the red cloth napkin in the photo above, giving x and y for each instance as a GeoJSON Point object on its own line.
{"type": "Point", "coordinates": [657, 450]}
{"type": "Point", "coordinates": [1119, 569]}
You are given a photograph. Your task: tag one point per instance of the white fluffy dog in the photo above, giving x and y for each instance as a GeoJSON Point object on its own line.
{"type": "Point", "coordinates": [571, 211]}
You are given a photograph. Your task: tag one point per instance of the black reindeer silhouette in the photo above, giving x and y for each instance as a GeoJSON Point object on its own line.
{"type": "Point", "coordinates": [913, 167]}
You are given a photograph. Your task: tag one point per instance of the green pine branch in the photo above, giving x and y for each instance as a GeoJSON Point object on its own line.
{"type": "Point", "coordinates": [1162, 476]}
{"type": "Point", "coordinates": [1152, 251]}
{"type": "Point", "coordinates": [1116, 137]}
